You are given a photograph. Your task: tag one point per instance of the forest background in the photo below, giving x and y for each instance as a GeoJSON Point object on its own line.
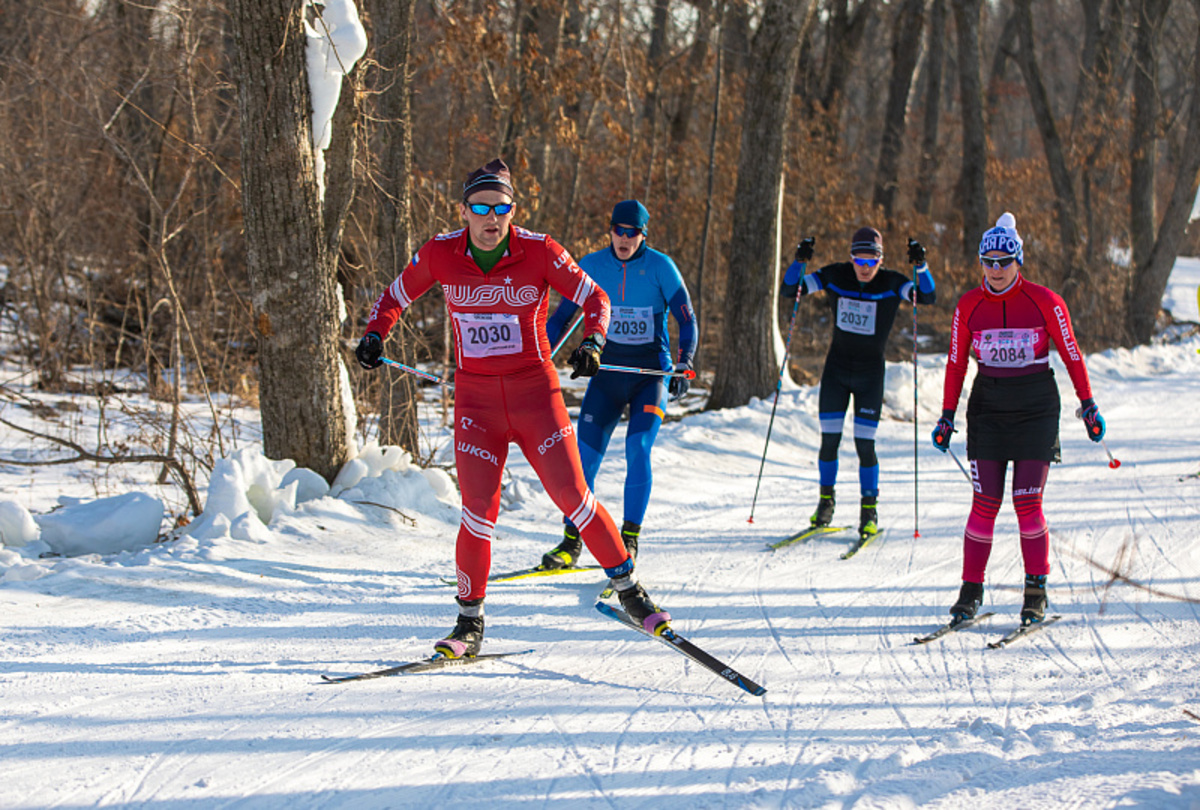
{"type": "Point", "coordinates": [157, 217]}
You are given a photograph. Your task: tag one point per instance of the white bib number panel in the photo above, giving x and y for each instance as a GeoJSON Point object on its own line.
{"type": "Point", "coordinates": [633, 325]}
{"type": "Point", "coordinates": [856, 316]}
{"type": "Point", "coordinates": [488, 334]}
{"type": "Point", "coordinates": [1008, 348]}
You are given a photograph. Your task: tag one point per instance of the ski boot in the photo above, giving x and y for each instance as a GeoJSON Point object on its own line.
{"type": "Point", "coordinates": [466, 638]}
{"type": "Point", "coordinates": [868, 518]}
{"type": "Point", "coordinates": [824, 514]}
{"type": "Point", "coordinates": [639, 606]}
{"type": "Point", "coordinates": [970, 597]}
{"type": "Point", "coordinates": [1034, 610]}
{"type": "Point", "coordinates": [629, 534]}
{"type": "Point", "coordinates": [566, 553]}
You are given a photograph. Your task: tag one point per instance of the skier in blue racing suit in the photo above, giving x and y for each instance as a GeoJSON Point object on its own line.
{"type": "Point", "coordinates": [642, 284]}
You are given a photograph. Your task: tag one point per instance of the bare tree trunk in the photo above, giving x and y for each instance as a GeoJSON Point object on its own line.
{"type": "Point", "coordinates": [656, 55]}
{"type": "Point", "coordinates": [972, 182]}
{"type": "Point", "coordinates": [935, 57]}
{"type": "Point", "coordinates": [1065, 208]}
{"type": "Point", "coordinates": [1144, 148]}
{"type": "Point", "coordinates": [906, 34]}
{"type": "Point", "coordinates": [393, 29]}
{"type": "Point", "coordinates": [746, 366]}
{"type": "Point", "coordinates": [1092, 108]}
{"type": "Point", "coordinates": [291, 263]}
{"type": "Point", "coordinates": [697, 56]}
{"type": "Point", "coordinates": [1006, 48]}
{"type": "Point", "coordinates": [845, 38]}
{"type": "Point", "coordinates": [1150, 279]}
{"type": "Point", "coordinates": [718, 84]}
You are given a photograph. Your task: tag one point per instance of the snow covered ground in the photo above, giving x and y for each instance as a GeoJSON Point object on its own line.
{"type": "Point", "coordinates": [187, 673]}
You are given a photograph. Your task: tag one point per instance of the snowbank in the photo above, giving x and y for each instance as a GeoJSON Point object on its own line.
{"type": "Point", "coordinates": [106, 526]}
{"type": "Point", "coordinates": [17, 526]}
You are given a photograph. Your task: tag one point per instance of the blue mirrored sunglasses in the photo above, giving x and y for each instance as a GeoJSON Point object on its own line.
{"type": "Point", "coordinates": [997, 261]}
{"type": "Point", "coordinates": [628, 233]}
{"type": "Point", "coordinates": [861, 262]}
{"type": "Point", "coordinates": [500, 208]}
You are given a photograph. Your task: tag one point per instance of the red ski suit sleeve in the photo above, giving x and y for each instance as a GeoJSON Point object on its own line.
{"type": "Point", "coordinates": [514, 295]}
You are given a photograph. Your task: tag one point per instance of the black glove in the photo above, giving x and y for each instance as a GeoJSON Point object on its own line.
{"type": "Point", "coordinates": [916, 253]}
{"type": "Point", "coordinates": [586, 358]}
{"type": "Point", "coordinates": [369, 350]}
{"type": "Point", "coordinates": [804, 250]}
{"type": "Point", "coordinates": [678, 386]}
{"type": "Point", "coordinates": [943, 431]}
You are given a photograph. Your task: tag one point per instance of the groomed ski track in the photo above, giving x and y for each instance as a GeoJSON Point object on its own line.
{"type": "Point", "coordinates": [191, 678]}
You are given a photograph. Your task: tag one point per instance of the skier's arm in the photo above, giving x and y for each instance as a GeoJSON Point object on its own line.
{"type": "Point", "coordinates": [956, 361]}
{"type": "Point", "coordinates": [926, 291]}
{"type": "Point", "coordinates": [1058, 327]}
{"type": "Point", "coordinates": [565, 276]}
{"type": "Point", "coordinates": [794, 281]}
{"type": "Point", "coordinates": [675, 292]}
{"type": "Point", "coordinates": [412, 282]}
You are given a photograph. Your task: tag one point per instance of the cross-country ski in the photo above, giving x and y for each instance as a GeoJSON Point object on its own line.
{"type": "Point", "coordinates": [687, 649]}
{"type": "Point", "coordinates": [436, 663]}
{"type": "Point", "coordinates": [532, 573]}
{"type": "Point", "coordinates": [952, 627]}
{"type": "Point", "coordinates": [1022, 632]}
{"type": "Point", "coordinates": [806, 535]}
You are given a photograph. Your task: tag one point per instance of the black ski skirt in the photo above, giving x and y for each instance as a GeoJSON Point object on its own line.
{"type": "Point", "coordinates": [1014, 418]}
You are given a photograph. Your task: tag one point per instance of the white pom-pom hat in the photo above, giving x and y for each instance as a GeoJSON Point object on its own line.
{"type": "Point", "coordinates": [1004, 237]}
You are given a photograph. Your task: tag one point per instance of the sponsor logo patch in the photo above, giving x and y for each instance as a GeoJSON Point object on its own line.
{"type": "Point", "coordinates": [554, 438]}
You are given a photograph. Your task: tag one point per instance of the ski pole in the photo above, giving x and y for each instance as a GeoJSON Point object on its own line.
{"type": "Point", "coordinates": [566, 335]}
{"type": "Point", "coordinates": [653, 372]}
{"type": "Point", "coordinates": [787, 348]}
{"type": "Point", "coordinates": [959, 463]}
{"type": "Point", "coordinates": [1113, 463]}
{"type": "Point", "coordinates": [916, 429]}
{"type": "Point", "coordinates": [422, 374]}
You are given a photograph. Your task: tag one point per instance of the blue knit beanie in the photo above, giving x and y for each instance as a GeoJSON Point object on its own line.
{"type": "Point", "coordinates": [1004, 238]}
{"type": "Point", "coordinates": [630, 212]}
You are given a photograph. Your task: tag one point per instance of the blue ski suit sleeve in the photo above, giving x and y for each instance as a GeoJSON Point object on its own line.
{"type": "Point", "coordinates": [557, 323]}
{"type": "Point", "coordinates": [670, 281]}
{"type": "Point", "coordinates": [926, 289]}
{"type": "Point", "coordinates": [795, 282]}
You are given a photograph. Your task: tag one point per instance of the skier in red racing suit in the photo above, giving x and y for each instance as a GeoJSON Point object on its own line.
{"type": "Point", "coordinates": [497, 278]}
{"type": "Point", "coordinates": [1008, 325]}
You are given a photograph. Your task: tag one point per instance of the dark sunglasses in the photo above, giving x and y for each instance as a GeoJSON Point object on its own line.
{"type": "Point", "coordinates": [628, 233]}
{"type": "Point", "coordinates": [865, 262]}
{"type": "Point", "coordinates": [482, 210]}
{"type": "Point", "coordinates": [997, 261]}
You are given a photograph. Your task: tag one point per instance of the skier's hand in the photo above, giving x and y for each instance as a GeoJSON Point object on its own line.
{"type": "Point", "coordinates": [942, 433]}
{"type": "Point", "coordinates": [369, 350]}
{"type": "Point", "coordinates": [916, 253]}
{"type": "Point", "coordinates": [586, 358]}
{"type": "Point", "coordinates": [804, 250]}
{"type": "Point", "coordinates": [678, 386]}
{"type": "Point", "coordinates": [1090, 414]}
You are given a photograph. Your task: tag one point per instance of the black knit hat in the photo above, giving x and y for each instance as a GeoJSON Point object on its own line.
{"type": "Point", "coordinates": [494, 176]}
{"type": "Point", "coordinates": [867, 240]}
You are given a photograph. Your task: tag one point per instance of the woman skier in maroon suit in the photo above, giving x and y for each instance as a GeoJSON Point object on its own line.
{"type": "Point", "coordinates": [1007, 324]}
